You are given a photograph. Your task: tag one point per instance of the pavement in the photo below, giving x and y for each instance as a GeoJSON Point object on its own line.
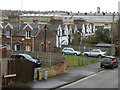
{"type": "Point", "coordinates": [72, 74]}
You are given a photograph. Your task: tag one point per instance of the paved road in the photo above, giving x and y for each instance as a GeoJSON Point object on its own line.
{"type": "Point", "coordinates": [107, 78]}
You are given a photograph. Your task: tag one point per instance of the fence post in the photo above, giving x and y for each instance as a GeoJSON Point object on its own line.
{"type": "Point", "coordinates": [50, 59]}
{"type": "Point", "coordinates": [83, 55]}
{"type": "Point", "coordinates": [45, 75]}
{"type": "Point", "coordinates": [78, 60]}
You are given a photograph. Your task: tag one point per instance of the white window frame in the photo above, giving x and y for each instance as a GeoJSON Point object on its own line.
{"type": "Point", "coordinates": [8, 33]}
{"type": "Point", "coordinates": [27, 34]}
{"type": "Point", "coordinates": [28, 48]}
{"type": "Point", "coordinates": [8, 46]}
{"type": "Point", "coordinates": [15, 47]}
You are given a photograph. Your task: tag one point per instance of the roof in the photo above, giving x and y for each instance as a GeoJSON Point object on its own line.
{"type": "Point", "coordinates": [1, 25]}
{"type": "Point", "coordinates": [53, 27]}
{"type": "Point", "coordinates": [18, 28]}
{"type": "Point", "coordinates": [104, 45]}
{"type": "Point", "coordinates": [9, 25]}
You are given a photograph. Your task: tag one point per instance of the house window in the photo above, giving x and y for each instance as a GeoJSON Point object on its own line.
{"type": "Point", "coordinates": [8, 46]}
{"type": "Point", "coordinates": [28, 48]}
{"type": "Point", "coordinates": [17, 47]}
{"type": "Point", "coordinates": [27, 34]}
{"type": "Point", "coordinates": [8, 33]}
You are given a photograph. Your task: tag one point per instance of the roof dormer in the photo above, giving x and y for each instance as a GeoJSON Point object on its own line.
{"type": "Point", "coordinates": [28, 29]}
{"type": "Point", "coordinates": [8, 30]}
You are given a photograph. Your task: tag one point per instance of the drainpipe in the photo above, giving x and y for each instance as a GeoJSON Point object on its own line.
{"type": "Point", "coordinates": [33, 44]}
{"type": "Point", "coordinates": [11, 42]}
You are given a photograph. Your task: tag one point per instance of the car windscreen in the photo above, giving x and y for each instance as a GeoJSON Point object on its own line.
{"type": "Point", "coordinates": [27, 56]}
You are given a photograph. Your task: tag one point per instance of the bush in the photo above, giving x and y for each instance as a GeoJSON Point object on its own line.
{"type": "Point", "coordinates": [57, 50]}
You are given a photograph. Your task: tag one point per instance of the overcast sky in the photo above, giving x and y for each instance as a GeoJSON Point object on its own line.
{"type": "Point", "coordinates": [63, 5]}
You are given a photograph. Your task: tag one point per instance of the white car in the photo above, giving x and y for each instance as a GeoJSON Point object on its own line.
{"type": "Point", "coordinates": [70, 51]}
{"type": "Point", "coordinates": [95, 53]}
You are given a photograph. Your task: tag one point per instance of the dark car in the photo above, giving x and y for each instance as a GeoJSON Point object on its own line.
{"type": "Point", "coordinates": [109, 61]}
{"type": "Point", "coordinates": [36, 62]}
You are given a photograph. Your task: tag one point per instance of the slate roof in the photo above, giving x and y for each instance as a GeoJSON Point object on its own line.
{"type": "Point", "coordinates": [53, 27]}
{"type": "Point", "coordinates": [18, 28]}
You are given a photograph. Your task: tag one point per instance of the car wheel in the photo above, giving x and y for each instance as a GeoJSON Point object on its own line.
{"type": "Point", "coordinates": [101, 66]}
{"type": "Point", "coordinates": [64, 53]}
{"type": "Point", "coordinates": [117, 66]}
{"type": "Point", "coordinates": [112, 66]}
{"type": "Point", "coordinates": [86, 55]}
{"type": "Point", "coordinates": [99, 56]}
{"type": "Point", "coordinates": [75, 54]}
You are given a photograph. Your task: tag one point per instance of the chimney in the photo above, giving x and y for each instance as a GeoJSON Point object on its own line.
{"type": "Point", "coordinates": [98, 9]}
{"type": "Point", "coordinates": [13, 17]}
{"type": "Point", "coordinates": [35, 20]}
{"type": "Point", "coordinates": [5, 20]}
{"type": "Point", "coordinates": [56, 20]}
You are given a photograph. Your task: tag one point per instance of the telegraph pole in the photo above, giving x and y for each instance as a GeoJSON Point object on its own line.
{"type": "Point", "coordinates": [112, 50]}
{"type": "Point", "coordinates": [21, 6]}
{"type": "Point", "coordinates": [45, 38]}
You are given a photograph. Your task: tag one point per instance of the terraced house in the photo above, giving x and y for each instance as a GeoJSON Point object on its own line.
{"type": "Point", "coordinates": [28, 37]}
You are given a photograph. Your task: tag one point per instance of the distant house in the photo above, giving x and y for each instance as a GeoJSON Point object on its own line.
{"type": "Point", "coordinates": [86, 29]}
{"type": "Point", "coordinates": [61, 31]}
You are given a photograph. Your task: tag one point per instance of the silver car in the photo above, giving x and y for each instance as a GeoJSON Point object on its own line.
{"type": "Point", "coordinates": [95, 53]}
{"type": "Point", "coordinates": [70, 51]}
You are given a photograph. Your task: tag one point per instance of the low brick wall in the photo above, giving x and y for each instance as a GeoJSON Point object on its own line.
{"type": "Point", "coordinates": [39, 73]}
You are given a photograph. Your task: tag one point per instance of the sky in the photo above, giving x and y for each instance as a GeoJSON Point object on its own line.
{"type": "Point", "coordinates": [62, 5]}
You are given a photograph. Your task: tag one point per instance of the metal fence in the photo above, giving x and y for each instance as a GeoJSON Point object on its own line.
{"type": "Point", "coordinates": [48, 58]}
{"type": "Point", "coordinates": [89, 48]}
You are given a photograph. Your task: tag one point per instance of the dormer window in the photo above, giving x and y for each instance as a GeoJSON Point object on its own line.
{"type": "Point", "coordinates": [8, 33]}
{"type": "Point", "coordinates": [27, 34]}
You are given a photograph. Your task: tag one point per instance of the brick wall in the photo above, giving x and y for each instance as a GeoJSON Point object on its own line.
{"type": "Point", "coordinates": [52, 71]}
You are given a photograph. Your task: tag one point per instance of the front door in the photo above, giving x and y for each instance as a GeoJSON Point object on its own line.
{"type": "Point", "coordinates": [18, 47]}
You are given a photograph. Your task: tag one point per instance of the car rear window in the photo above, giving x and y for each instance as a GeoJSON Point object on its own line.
{"type": "Point", "coordinates": [108, 59]}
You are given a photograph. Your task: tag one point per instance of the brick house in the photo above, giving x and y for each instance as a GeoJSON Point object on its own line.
{"type": "Point", "coordinates": [28, 37]}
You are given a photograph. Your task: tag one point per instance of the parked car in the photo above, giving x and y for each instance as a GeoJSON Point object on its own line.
{"type": "Point", "coordinates": [70, 51]}
{"type": "Point", "coordinates": [95, 53]}
{"type": "Point", "coordinates": [109, 61]}
{"type": "Point", "coordinates": [36, 62]}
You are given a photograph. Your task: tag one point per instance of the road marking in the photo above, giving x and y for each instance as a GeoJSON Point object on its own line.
{"type": "Point", "coordinates": [81, 80]}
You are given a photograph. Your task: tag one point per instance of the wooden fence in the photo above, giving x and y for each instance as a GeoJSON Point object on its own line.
{"type": "Point", "coordinates": [19, 71]}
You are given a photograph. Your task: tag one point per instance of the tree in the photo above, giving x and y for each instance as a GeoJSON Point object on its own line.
{"type": "Point", "coordinates": [77, 38]}
{"type": "Point", "coordinates": [103, 35]}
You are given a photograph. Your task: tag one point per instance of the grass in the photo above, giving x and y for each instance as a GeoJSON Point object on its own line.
{"type": "Point", "coordinates": [72, 60]}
